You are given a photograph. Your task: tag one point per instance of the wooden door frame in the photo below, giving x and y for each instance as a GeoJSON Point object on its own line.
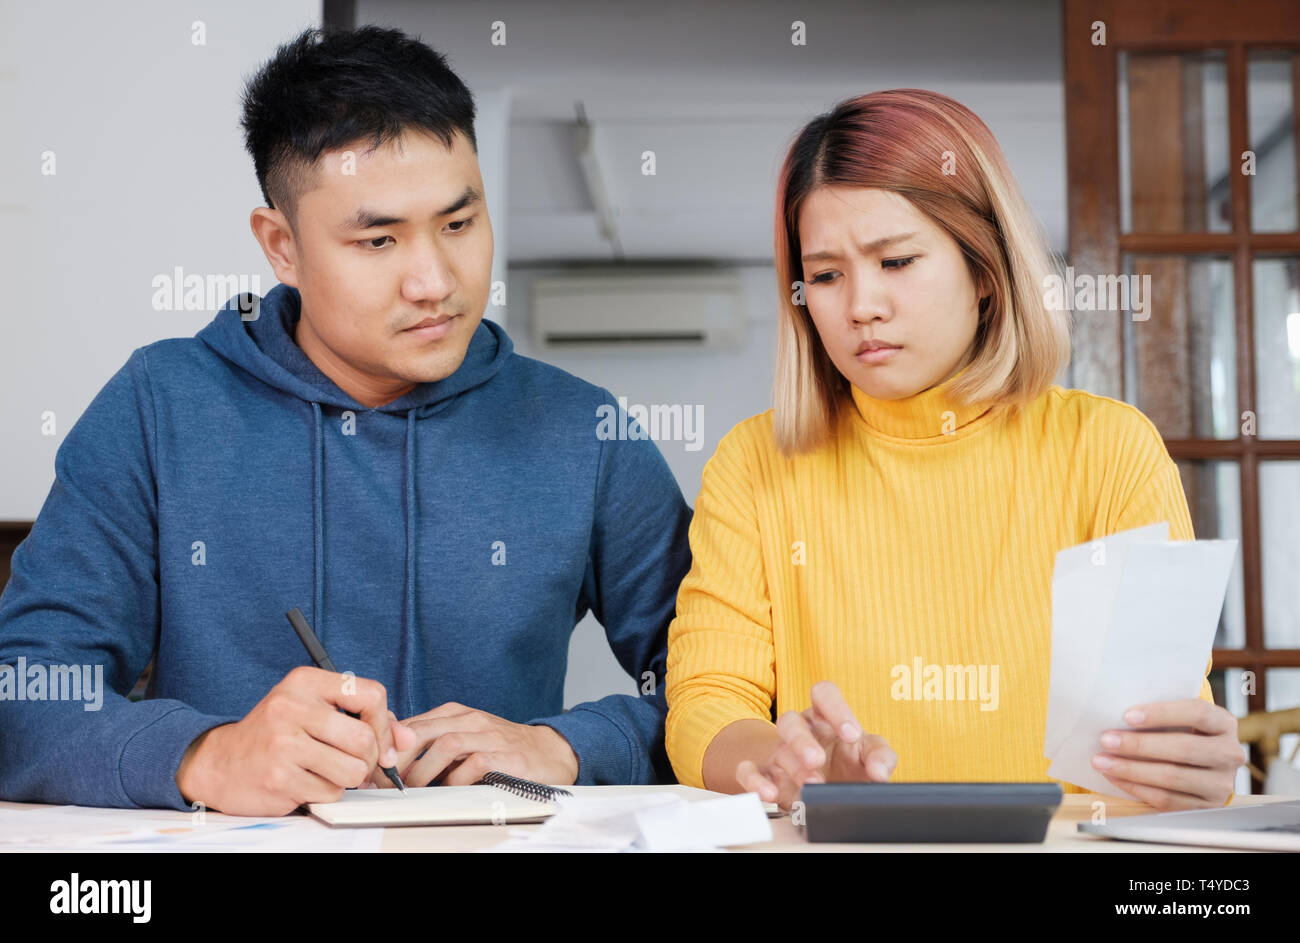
{"type": "Point", "coordinates": [1097, 245]}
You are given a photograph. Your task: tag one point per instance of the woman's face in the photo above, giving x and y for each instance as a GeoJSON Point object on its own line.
{"type": "Point", "coordinates": [878, 271]}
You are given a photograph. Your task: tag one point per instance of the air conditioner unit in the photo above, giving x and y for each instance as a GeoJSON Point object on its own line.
{"type": "Point", "coordinates": [641, 309]}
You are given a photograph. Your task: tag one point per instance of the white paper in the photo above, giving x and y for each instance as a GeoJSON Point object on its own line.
{"type": "Point", "coordinates": [1133, 622]}
{"type": "Point", "coordinates": [648, 821]}
{"type": "Point", "coordinates": [86, 829]}
{"type": "Point", "coordinates": [430, 805]}
{"type": "Point", "coordinates": [590, 823]}
{"type": "Point", "coordinates": [1083, 603]}
{"type": "Point", "coordinates": [712, 823]}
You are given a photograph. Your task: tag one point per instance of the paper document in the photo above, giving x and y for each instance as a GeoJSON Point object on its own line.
{"type": "Point", "coordinates": [646, 821]}
{"type": "Point", "coordinates": [430, 805]}
{"type": "Point", "coordinates": [83, 829]}
{"type": "Point", "coordinates": [1133, 621]}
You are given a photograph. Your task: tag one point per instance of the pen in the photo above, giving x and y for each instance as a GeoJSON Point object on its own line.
{"type": "Point", "coordinates": [318, 654]}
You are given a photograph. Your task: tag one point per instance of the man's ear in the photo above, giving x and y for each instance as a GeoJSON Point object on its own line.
{"type": "Point", "coordinates": [272, 231]}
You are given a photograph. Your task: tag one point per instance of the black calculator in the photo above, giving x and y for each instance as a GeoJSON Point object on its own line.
{"type": "Point", "coordinates": [929, 812]}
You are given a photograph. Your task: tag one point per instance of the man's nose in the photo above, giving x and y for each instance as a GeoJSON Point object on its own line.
{"type": "Point", "coordinates": [431, 277]}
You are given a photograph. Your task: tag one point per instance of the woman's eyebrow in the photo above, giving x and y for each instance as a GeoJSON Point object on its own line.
{"type": "Point", "coordinates": [867, 247]}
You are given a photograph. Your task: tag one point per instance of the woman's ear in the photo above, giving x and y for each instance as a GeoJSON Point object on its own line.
{"type": "Point", "coordinates": [984, 291]}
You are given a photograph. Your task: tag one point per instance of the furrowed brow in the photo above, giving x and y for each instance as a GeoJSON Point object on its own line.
{"type": "Point", "coordinates": [366, 218]}
{"type": "Point", "coordinates": [867, 248]}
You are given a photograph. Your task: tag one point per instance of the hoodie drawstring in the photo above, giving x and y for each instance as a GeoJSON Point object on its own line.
{"type": "Point", "coordinates": [318, 524]}
{"type": "Point", "coordinates": [408, 628]}
{"type": "Point", "coordinates": [318, 537]}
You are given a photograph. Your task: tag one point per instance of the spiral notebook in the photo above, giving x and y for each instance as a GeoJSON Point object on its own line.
{"type": "Point", "coordinates": [497, 799]}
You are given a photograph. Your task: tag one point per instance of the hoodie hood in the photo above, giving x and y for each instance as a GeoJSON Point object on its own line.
{"type": "Point", "coordinates": [256, 334]}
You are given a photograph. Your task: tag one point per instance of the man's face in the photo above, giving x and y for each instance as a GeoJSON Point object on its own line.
{"type": "Point", "coordinates": [385, 241]}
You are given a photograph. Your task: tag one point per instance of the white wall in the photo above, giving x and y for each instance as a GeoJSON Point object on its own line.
{"type": "Point", "coordinates": [731, 384]}
{"type": "Point", "coordinates": [150, 174]}
{"type": "Point", "coordinates": [492, 135]}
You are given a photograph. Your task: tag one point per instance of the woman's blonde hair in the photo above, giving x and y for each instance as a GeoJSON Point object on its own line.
{"type": "Point", "coordinates": [941, 157]}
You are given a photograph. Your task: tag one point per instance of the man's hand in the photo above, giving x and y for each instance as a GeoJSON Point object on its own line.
{"type": "Point", "coordinates": [825, 743]}
{"type": "Point", "coordinates": [460, 744]}
{"type": "Point", "coordinates": [294, 747]}
{"type": "Point", "coordinates": [1193, 766]}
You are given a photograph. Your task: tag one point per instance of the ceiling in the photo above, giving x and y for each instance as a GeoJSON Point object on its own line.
{"type": "Point", "coordinates": [717, 91]}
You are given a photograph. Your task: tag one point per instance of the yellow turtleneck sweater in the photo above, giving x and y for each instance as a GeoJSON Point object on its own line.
{"type": "Point", "coordinates": [923, 533]}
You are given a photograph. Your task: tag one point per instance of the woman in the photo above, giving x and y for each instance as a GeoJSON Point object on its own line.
{"type": "Point", "coordinates": [902, 504]}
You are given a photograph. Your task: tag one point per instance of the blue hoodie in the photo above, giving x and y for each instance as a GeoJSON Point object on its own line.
{"type": "Point", "coordinates": [444, 544]}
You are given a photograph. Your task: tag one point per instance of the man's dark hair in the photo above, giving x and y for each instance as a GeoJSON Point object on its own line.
{"type": "Point", "coordinates": [331, 87]}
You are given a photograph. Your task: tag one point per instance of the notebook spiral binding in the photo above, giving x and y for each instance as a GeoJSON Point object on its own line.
{"type": "Point", "coordinates": [523, 787]}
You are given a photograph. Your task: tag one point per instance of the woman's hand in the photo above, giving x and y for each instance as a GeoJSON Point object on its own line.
{"type": "Point", "coordinates": [1188, 761]}
{"type": "Point", "coordinates": [825, 743]}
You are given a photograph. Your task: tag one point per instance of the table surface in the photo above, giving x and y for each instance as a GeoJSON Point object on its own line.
{"type": "Point", "coordinates": [1062, 834]}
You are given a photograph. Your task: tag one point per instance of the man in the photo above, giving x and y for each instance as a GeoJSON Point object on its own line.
{"type": "Point", "coordinates": [360, 444]}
